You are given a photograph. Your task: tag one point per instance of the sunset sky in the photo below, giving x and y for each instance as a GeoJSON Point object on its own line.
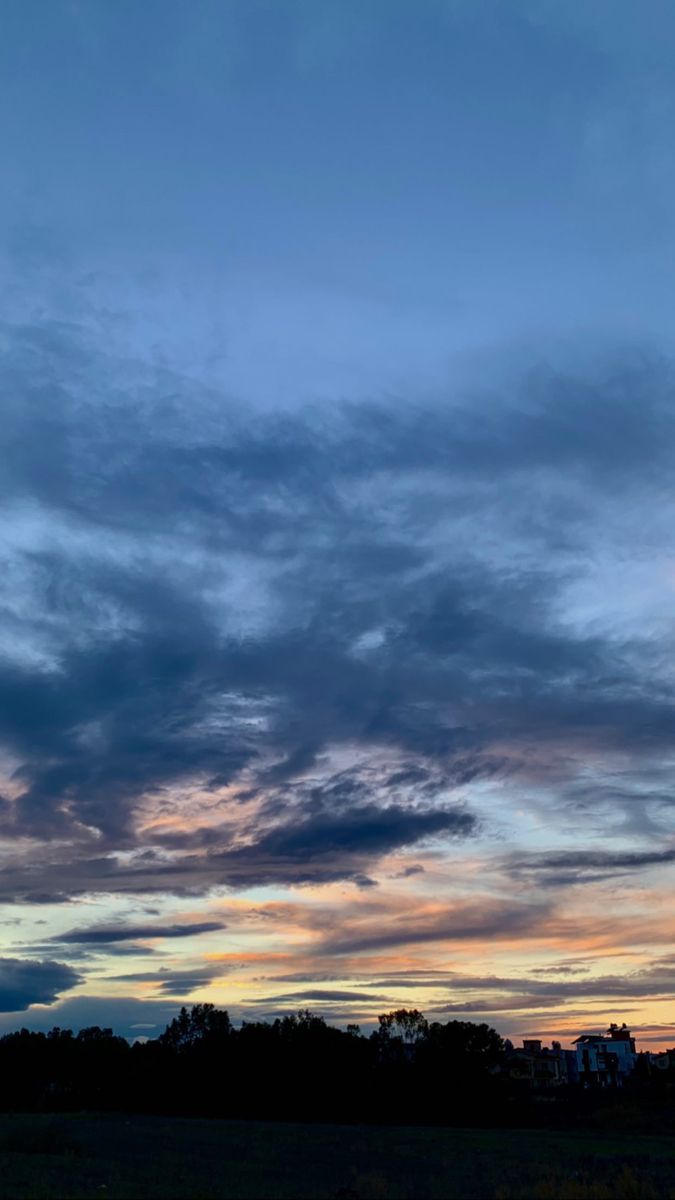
{"type": "Point", "coordinates": [338, 512]}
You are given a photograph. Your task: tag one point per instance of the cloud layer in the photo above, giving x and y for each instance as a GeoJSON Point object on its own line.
{"type": "Point", "coordinates": [196, 603]}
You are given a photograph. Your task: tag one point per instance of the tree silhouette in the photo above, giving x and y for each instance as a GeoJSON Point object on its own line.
{"type": "Point", "coordinates": [409, 1025]}
{"type": "Point", "coordinates": [202, 1022]}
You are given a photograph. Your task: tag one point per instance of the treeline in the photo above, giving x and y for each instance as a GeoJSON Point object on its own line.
{"type": "Point", "coordinates": [296, 1067]}
{"type": "Point", "coordinates": [300, 1068]}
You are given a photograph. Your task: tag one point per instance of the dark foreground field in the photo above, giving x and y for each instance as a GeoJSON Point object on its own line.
{"type": "Point", "coordinates": [118, 1157]}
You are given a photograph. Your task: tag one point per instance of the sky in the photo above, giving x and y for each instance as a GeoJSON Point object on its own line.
{"type": "Point", "coordinates": [337, 601]}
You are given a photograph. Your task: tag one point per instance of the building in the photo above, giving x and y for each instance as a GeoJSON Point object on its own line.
{"type": "Point", "coordinates": [542, 1066]}
{"type": "Point", "coordinates": [598, 1059]}
{"type": "Point", "coordinates": [605, 1059]}
{"type": "Point", "coordinates": [662, 1060]}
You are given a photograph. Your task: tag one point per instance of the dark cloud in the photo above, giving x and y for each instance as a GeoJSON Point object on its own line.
{"type": "Point", "coordinates": [328, 846]}
{"type": "Point", "coordinates": [463, 922]}
{"type": "Point", "coordinates": [316, 849]}
{"type": "Point", "coordinates": [103, 934]}
{"type": "Point", "coordinates": [173, 983]}
{"type": "Point", "coordinates": [306, 977]}
{"type": "Point", "coordinates": [225, 601]}
{"type": "Point", "coordinates": [505, 994]}
{"type": "Point", "coordinates": [317, 995]}
{"type": "Point", "coordinates": [530, 1003]}
{"type": "Point", "coordinates": [24, 982]}
{"type": "Point", "coordinates": [568, 867]}
{"type": "Point", "coordinates": [127, 1016]}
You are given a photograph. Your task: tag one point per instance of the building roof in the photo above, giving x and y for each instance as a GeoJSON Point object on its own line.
{"type": "Point", "coordinates": [606, 1039]}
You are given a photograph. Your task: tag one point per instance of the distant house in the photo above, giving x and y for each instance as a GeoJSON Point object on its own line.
{"type": "Point", "coordinates": [662, 1060]}
{"type": "Point", "coordinates": [542, 1066]}
{"type": "Point", "coordinates": [605, 1059]}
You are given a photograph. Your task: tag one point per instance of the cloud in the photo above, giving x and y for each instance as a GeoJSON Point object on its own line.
{"type": "Point", "coordinates": [104, 934]}
{"type": "Point", "coordinates": [24, 982]}
{"type": "Point", "coordinates": [318, 995]}
{"type": "Point", "coordinates": [328, 846]}
{"type": "Point", "coordinates": [463, 921]}
{"type": "Point", "coordinates": [316, 849]}
{"type": "Point", "coordinates": [569, 867]}
{"type": "Point", "coordinates": [127, 1016]}
{"type": "Point", "coordinates": [529, 993]}
{"type": "Point", "coordinates": [174, 982]}
{"type": "Point", "coordinates": [234, 634]}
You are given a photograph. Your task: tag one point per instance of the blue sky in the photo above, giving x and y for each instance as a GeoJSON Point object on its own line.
{"type": "Point", "coordinates": [376, 188]}
{"type": "Point", "coordinates": [336, 611]}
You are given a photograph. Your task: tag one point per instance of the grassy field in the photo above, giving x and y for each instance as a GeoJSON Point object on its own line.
{"type": "Point", "coordinates": [180, 1159]}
